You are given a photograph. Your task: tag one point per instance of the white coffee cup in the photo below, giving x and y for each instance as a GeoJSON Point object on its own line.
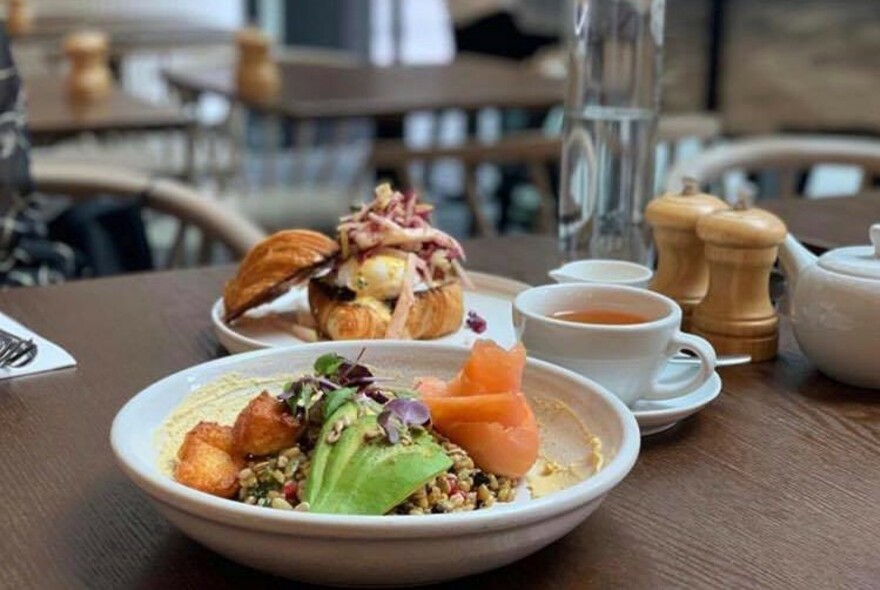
{"type": "Point", "coordinates": [625, 358]}
{"type": "Point", "coordinates": [603, 272]}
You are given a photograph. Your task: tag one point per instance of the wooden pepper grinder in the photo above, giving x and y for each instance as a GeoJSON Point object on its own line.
{"type": "Point", "coordinates": [736, 315]}
{"type": "Point", "coordinates": [89, 79]}
{"type": "Point", "coordinates": [256, 76]}
{"type": "Point", "coordinates": [19, 18]}
{"type": "Point", "coordinates": [682, 273]}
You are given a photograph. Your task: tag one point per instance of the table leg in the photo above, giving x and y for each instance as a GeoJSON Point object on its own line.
{"type": "Point", "coordinates": [540, 177]}
{"type": "Point", "coordinates": [190, 100]}
{"type": "Point", "coordinates": [235, 133]}
{"type": "Point", "coordinates": [481, 225]}
{"type": "Point", "coordinates": [273, 139]}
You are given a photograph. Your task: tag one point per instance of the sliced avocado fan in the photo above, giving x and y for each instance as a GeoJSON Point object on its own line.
{"type": "Point", "coordinates": [364, 474]}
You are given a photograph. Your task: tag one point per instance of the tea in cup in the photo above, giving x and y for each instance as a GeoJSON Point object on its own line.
{"type": "Point", "coordinates": [621, 337]}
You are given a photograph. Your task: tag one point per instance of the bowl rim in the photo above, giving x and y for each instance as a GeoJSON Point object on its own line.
{"type": "Point", "coordinates": [167, 491]}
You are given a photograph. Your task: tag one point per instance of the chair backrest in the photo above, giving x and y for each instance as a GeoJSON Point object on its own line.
{"type": "Point", "coordinates": [534, 149]}
{"type": "Point", "coordinates": [328, 159]}
{"type": "Point", "coordinates": [215, 223]}
{"type": "Point", "coordinates": [534, 146]}
{"type": "Point", "coordinates": [788, 157]}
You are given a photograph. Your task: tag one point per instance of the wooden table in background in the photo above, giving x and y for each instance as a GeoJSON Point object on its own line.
{"type": "Point", "coordinates": [320, 91]}
{"type": "Point", "coordinates": [336, 92]}
{"type": "Point", "coordinates": [829, 222]}
{"type": "Point", "coordinates": [51, 117]}
{"type": "Point", "coordinates": [127, 33]}
{"type": "Point", "coordinates": [774, 485]}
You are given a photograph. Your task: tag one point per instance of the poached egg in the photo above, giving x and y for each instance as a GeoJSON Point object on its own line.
{"type": "Point", "coordinates": [379, 276]}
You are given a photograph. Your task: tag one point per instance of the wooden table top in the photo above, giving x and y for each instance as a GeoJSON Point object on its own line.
{"type": "Point", "coordinates": [326, 91]}
{"type": "Point", "coordinates": [52, 117]}
{"type": "Point", "coordinates": [774, 485]}
{"type": "Point", "coordinates": [127, 33]}
{"type": "Point", "coordinates": [830, 222]}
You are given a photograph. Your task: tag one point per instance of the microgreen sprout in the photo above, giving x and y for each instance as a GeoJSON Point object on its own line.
{"type": "Point", "coordinates": [399, 415]}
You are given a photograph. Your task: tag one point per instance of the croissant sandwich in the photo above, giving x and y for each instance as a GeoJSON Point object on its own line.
{"type": "Point", "coordinates": [388, 273]}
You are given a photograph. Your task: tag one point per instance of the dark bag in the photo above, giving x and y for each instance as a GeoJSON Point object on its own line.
{"type": "Point", "coordinates": [108, 233]}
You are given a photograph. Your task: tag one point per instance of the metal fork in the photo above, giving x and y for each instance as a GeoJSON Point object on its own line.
{"type": "Point", "coordinates": [15, 351]}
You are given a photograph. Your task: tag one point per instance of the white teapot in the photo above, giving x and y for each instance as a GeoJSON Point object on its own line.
{"type": "Point", "coordinates": [835, 308]}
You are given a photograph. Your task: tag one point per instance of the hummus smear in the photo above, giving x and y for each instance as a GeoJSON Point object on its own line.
{"type": "Point", "coordinates": [563, 461]}
{"type": "Point", "coordinates": [218, 401]}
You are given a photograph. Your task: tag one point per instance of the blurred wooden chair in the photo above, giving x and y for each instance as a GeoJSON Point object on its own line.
{"type": "Point", "coordinates": [536, 150]}
{"type": "Point", "coordinates": [214, 223]}
{"type": "Point", "coordinates": [224, 136]}
{"type": "Point", "coordinates": [304, 178]}
{"type": "Point", "coordinates": [788, 158]}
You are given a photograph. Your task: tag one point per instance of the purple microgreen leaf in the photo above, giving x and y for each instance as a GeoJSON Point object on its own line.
{"type": "Point", "coordinates": [389, 424]}
{"type": "Point", "coordinates": [349, 372]}
{"type": "Point", "coordinates": [475, 322]}
{"type": "Point", "coordinates": [410, 412]}
{"type": "Point", "coordinates": [384, 418]}
{"type": "Point", "coordinates": [365, 381]}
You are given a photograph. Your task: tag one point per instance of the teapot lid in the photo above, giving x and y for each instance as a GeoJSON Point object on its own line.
{"type": "Point", "coordinates": [857, 261]}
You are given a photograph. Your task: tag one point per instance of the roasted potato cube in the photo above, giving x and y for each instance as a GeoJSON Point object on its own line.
{"type": "Point", "coordinates": [205, 463]}
{"type": "Point", "coordinates": [210, 432]}
{"type": "Point", "coordinates": [265, 426]}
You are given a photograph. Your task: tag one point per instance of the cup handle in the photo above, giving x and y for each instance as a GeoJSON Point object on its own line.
{"type": "Point", "coordinates": [705, 353]}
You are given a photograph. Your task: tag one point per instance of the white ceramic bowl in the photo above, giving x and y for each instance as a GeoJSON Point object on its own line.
{"type": "Point", "coordinates": [379, 550]}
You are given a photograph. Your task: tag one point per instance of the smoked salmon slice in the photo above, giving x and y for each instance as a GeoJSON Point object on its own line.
{"type": "Point", "coordinates": [503, 450]}
{"type": "Point", "coordinates": [490, 369]}
{"type": "Point", "coordinates": [483, 410]}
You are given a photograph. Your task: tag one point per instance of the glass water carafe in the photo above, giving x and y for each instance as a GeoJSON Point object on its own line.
{"type": "Point", "coordinates": [615, 52]}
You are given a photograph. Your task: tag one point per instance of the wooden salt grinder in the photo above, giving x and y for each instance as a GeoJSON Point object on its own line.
{"type": "Point", "coordinates": [256, 76]}
{"type": "Point", "coordinates": [89, 79]}
{"type": "Point", "coordinates": [19, 19]}
{"type": "Point", "coordinates": [682, 273]}
{"type": "Point", "coordinates": [736, 315]}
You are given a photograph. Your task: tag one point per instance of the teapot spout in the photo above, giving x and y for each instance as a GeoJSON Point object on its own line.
{"type": "Point", "coordinates": [795, 258]}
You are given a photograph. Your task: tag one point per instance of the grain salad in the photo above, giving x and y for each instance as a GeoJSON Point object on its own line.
{"type": "Point", "coordinates": [342, 441]}
{"type": "Point", "coordinates": [279, 482]}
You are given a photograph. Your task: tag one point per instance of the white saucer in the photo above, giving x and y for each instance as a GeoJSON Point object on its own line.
{"type": "Point", "coordinates": [655, 416]}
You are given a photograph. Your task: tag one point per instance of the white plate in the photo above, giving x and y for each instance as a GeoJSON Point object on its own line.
{"type": "Point", "coordinates": [383, 550]}
{"type": "Point", "coordinates": [264, 326]}
{"type": "Point", "coordinates": [656, 416]}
